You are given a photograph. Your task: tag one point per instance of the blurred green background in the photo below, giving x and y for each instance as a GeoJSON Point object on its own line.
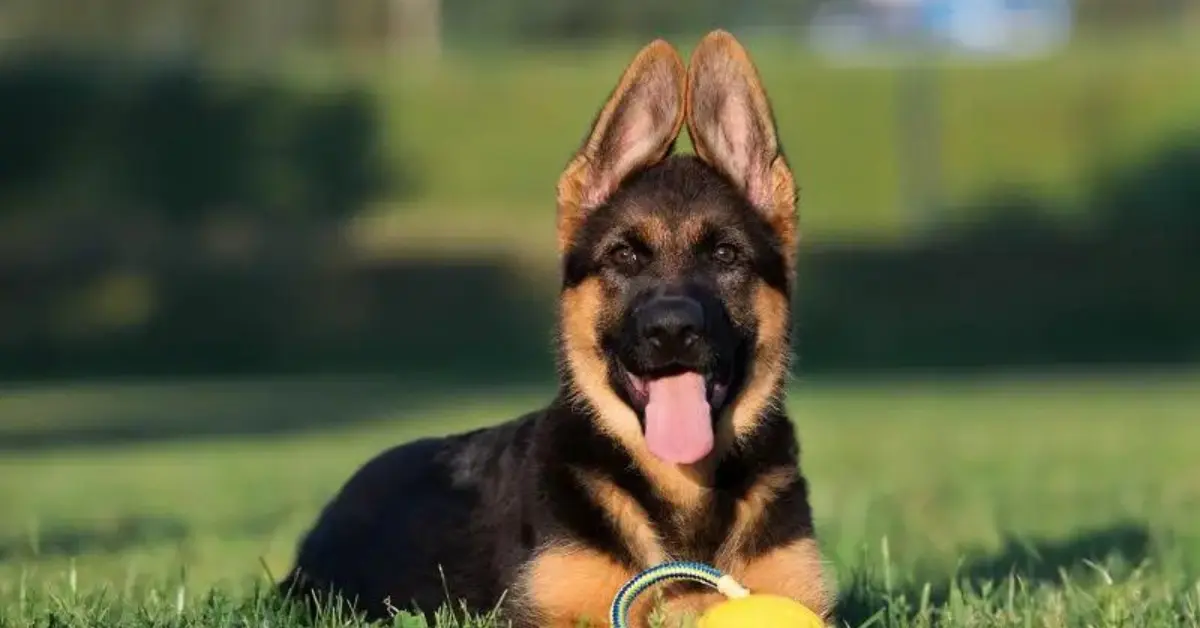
{"type": "Point", "coordinates": [205, 187]}
{"type": "Point", "coordinates": [244, 244]}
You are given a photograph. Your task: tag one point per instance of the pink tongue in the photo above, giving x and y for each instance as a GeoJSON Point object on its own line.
{"type": "Point", "coordinates": [678, 424]}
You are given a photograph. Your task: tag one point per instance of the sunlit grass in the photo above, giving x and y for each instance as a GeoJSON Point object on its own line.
{"type": "Point", "coordinates": [1022, 502]}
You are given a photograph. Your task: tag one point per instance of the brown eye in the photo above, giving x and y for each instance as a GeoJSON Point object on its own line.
{"type": "Point", "coordinates": [725, 254]}
{"type": "Point", "coordinates": [625, 259]}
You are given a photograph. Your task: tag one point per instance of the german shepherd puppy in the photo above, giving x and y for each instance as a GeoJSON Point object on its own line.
{"type": "Point", "coordinates": [668, 438]}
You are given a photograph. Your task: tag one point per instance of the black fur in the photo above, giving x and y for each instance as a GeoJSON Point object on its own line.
{"type": "Point", "coordinates": [474, 508]}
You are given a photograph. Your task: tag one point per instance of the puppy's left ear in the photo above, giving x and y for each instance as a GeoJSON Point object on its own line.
{"type": "Point", "coordinates": [732, 128]}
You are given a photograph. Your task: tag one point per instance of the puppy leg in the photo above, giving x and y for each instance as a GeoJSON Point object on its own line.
{"type": "Point", "coordinates": [793, 570]}
{"type": "Point", "coordinates": [571, 586]}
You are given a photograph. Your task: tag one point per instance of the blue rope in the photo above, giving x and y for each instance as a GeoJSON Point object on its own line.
{"type": "Point", "coordinates": [683, 570]}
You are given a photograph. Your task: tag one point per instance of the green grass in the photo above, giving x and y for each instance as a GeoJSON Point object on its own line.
{"type": "Point", "coordinates": [1051, 501]}
{"type": "Point", "coordinates": [489, 131]}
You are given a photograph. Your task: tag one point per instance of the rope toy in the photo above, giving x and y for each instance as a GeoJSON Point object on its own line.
{"type": "Point", "coordinates": [741, 609]}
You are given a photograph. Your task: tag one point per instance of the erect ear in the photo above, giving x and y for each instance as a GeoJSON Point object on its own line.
{"type": "Point", "coordinates": [636, 128]}
{"type": "Point", "coordinates": [730, 122]}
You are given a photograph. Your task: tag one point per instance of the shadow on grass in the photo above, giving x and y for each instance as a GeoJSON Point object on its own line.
{"type": "Point", "coordinates": [105, 414]}
{"type": "Point", "coordinates": [1037, 562]}
{"type": "Point", "coordinates": [1044, 561]}
{"type": "Point", "coordinates": [70, 539]}
{"type": "Point", "coordinates": [1032, 561]}
{"type": "Point", "coordinates": [63, 541]}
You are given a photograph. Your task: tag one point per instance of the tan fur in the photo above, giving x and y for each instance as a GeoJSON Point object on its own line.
{"type": "Point", "coordinates": [770, 365]}
{"type": "Point", "coordinates": [690, 605]}
{"type": "Point", "coordinates": [692, 228]}
{"type": "Point", "coordinates": [730, 557]}
{"type": "Point", "coordinates": [793, 571]}
{"type": "Point", "coordinates": [749, 515]}
{"type": "Point", "coordinates": [572, 585]}
{"type": "Point", "coordinates": [630, 519]}
{"type": "Point", "coordinates": [655, 232]}
{"type": "Point", "coordinates": [784, 198]}
{"type": "Point", "coordinates": [655, 79]}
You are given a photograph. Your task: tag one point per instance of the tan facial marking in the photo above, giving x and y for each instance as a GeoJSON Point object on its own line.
{"type": "Point", "coordinates": [691, 229]}
{"type": "Point", "coordinates": [769, 368]}
{"type": "Point", "coordinates": [656, 232]}
{"type": "Point", "coordinates": [684, 485]}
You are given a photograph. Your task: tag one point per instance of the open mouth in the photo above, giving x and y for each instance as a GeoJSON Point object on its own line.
{"type": "Point", "coordinates": [678, 408]}
{"type": "Point", "coordinates": [716, 389]}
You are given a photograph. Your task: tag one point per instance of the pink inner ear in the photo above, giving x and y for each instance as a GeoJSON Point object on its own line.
{"type": "Point", "coordinates": [736, 139]}
{"type": "Point", "coordinates": [635, 145]}
{"type": "Point", "coordinates": [759, 182]}
{"type": "Point", "coordinates": [595, 193]}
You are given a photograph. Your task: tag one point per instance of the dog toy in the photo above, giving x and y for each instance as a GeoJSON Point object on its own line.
{"type": "Point", "coordinates": [742, 609]}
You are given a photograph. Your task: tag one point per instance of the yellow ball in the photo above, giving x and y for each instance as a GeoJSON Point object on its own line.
{"type": "Point", "coordinates": [760, 611]}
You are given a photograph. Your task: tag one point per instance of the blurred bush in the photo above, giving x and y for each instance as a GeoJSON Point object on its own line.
{"type": "Point", "coordinates": [1162, 195]}
{"type": "Point", "coordinates": [463, 318]}
{"type": "Point", "coordinates": [124, 138]}
{"type": "Point", "coordinates": [1020, 288]}
{"type": "Point", "coordinates": [1016, 290]}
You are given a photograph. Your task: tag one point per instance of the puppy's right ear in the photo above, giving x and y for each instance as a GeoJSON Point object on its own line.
{"type": "Point", "coordinates": [636, 128]}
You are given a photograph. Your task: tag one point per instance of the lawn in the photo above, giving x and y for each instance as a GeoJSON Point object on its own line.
{"type": "Point", "coordinates": [1022, 501]}
{"type": "Point", "coordinates": [487, 132]}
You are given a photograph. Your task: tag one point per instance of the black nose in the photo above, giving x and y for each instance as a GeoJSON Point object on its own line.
{"type": "Point", "coordinates": [671, 325]}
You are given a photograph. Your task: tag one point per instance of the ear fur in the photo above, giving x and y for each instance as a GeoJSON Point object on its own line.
{"type": "Point", "coordinates": [732, 127]}
{"type": "Point", "coordinates": [636, 128]}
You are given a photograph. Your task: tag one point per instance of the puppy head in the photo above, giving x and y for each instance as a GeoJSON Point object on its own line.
{"type": "Point", "coordinates": [677, 270]}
